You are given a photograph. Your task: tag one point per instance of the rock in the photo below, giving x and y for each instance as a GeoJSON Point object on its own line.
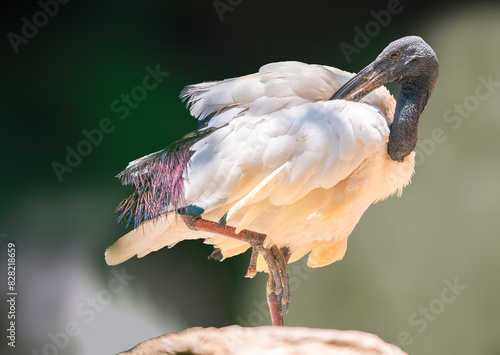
{"type": "Point", "coordinates": [265, 340]}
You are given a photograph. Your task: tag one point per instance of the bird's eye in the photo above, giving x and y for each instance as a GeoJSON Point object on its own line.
{"type": "Point", "coordinates": [394, 55]}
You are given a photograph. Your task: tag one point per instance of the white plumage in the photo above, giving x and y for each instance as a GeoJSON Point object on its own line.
{"type": "Point", "coordinates": [285, 161]}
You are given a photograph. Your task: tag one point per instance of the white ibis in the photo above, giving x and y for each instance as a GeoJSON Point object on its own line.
{"type": "Point", "coordinates": [284, 161]}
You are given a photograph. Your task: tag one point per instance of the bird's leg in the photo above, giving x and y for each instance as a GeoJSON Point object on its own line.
{"type": "Point", "coordinates": [277, 292]}
{"type": "Point", "coordinates": [282, 256]}
{"type": "Point", "coordinates": [252, 268]}
{"type": "Point", "coordinates": [253, 238]}
{"type": "Point", "coordinates": [273, 302]}
{"type": "Point", "coordinates": [278, 289]}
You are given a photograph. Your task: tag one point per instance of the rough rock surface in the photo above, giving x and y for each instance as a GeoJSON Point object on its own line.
{"type": "Point", "coordinates": [265, 340]}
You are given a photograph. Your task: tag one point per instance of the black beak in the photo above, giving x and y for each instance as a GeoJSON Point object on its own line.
{"type": "Point", "coordinates": [361, 84]}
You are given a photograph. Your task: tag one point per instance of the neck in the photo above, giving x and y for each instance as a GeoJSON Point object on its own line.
{"type": "Point", "coordinates": [411, 102]}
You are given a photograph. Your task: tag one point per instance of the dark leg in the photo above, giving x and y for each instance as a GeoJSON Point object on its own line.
{"type": "Point", "coordinates": [277, 289]}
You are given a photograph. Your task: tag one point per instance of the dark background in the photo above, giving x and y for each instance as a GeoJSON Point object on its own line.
{"type": "Point", "coordinates": [400, 256]}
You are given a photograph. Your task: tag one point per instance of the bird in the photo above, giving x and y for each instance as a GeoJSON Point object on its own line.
{"type": "Point", "coordinates": [284, 161]}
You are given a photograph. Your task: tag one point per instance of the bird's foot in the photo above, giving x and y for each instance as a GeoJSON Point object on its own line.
{"type": "Point", "coordinates": [278, 284]}
{"type": "Point", "coordinates": [252, 268]}
{"type": "Point", "coordinates": [278, 288]}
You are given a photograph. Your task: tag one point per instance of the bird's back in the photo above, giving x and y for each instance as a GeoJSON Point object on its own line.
{"type": "Point", "coordinates": [276, 86]}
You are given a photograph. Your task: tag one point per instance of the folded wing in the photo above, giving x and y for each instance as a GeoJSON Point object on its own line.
{"type": "Point", "coordinates": [267, 140]}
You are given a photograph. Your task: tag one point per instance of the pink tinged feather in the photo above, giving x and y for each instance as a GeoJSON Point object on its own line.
{"type": "Point", "coordinates": [158, 179]}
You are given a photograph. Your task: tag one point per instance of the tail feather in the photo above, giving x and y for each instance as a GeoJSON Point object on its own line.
{"type": "Point", "coordinates": [149, 237]}
{"type": "Point", "coordinates": [166, 232]}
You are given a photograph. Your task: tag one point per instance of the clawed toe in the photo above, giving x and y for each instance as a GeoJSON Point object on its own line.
{"type": "Point", "coordinates": [252, 268]}
{"type": "Point", "coordinates": [278, 288]}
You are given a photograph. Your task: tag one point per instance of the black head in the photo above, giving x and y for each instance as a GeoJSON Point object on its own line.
{"type": "Point", "coordinates": [412, 63]}
{"type": "Point", "coordinates": [405, 61]}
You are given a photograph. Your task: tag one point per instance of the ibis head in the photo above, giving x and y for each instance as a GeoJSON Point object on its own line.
{"type": "Point", "coordinates": [408, 61]}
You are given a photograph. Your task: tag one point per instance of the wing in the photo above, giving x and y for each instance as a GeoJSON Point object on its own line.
{"type": "Point", "coordinates": [276, 86]}
{"type": "Point", "coordinates": [159, 177]}
{"type": "Point", "coordinates": [255, 162]}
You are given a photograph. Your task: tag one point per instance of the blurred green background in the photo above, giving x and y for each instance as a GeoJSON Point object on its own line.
{"type": "Point", "coordinates": [402, 257]}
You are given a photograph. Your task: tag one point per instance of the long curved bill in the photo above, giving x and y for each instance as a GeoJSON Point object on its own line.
{"type": "Point", "coordinates": [360, 85]}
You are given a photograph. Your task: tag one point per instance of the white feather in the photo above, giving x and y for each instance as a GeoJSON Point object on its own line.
{"type": "Point", "coordinates": [284, 161]}
{"type": "Point", "coordinates": [252, 196]}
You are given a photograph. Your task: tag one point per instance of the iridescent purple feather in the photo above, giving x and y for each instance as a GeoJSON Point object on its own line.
{"type": "Point", "coordinates": [159, 182]}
